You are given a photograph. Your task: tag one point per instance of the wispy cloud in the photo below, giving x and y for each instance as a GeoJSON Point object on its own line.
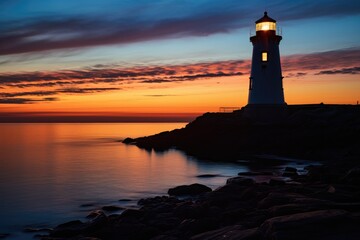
{"type": "Point", "coordinates": [86, 80]}
{"type": "Point", "coordinates": [353, 70]}
{"type": "Point", "coordinates": [150, 74]}
{"type": "Point", "coordinates": [201, 19]}
{"type": "Point", "coordinates": [25, 100]}
{"type": "Point", "coordinates": [16, 97]}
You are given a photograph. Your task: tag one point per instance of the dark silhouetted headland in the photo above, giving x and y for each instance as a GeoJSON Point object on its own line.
{"type": "Point", "coordinates": [321, 132]}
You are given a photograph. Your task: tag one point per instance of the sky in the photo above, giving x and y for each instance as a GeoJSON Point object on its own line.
{"type": "Point", "coordinates": [167, 59]}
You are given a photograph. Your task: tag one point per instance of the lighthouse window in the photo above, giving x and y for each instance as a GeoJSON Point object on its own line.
{"type": "Point", "coordinates": [264, 56]}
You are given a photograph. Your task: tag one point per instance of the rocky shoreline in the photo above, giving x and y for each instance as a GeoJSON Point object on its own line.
{"type": "Point", "coordinates": [322, 204]}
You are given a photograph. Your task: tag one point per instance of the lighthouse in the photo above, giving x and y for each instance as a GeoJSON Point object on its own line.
{"type": "Point", "coordinates": [265, 87]}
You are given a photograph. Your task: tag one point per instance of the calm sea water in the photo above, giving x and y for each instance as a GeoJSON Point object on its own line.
{"type": "Point", "coordinates": [49, 170]}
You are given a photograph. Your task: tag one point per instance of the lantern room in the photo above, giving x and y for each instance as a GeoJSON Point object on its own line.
{"type": "Point", "coordinates": [265, 23]}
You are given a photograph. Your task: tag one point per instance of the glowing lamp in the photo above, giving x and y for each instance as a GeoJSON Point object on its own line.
{"type": "Point", "coordinates": [265, 23]}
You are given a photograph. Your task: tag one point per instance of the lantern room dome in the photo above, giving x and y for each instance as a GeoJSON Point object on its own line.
{"type": "Point", "coordinates": [265, 18]}
{"type": "Point", "coordinates": [265, 23]}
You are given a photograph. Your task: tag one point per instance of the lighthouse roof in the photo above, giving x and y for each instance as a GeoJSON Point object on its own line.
{"type": "Point", "coordinates": [265, 18]}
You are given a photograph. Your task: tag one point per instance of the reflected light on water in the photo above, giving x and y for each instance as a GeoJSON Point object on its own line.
{"type": "Point", "coordinates": [49, 170]}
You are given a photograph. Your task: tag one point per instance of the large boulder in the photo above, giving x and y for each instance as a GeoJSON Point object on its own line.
{"type": "Point", "coordinates": [352, 176]}
{"type": "Point", "coordinates": [193, 189]}
{"type": "Point", "coordinates": [322, 224]}
{"type": "Point", "coordinates": [235, 232]}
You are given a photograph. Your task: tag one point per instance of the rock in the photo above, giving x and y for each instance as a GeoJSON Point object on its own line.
{"type": "Point", "coordinates": [255, 174]}
{"type": "Point", "coordinates": [68, 229]}
{"type": "Point", "coordinates": [132, 213]}
{"type": "Point", "coordinates": [352, 176]}
{"type": "Point", "coordinates": [4, 235]}
{"type": "Point", "coordinates": [112, 208]}
{"type": "Point", "coordinates": [275, 198]}
{"type": "Point", "coordinates": [293, 208]}
{"type": "Point", "coordinates": [324, 174]}
{"type": "Point", "coordinates": [208, 175]}
{"type": "Point", "coordinates": [165, 237]}
{"type": "Point", "coordinates": [189, 210]}
{"type": "Point", "coordinates": [94, 214]}
{"type": "Point", "coordinates": [290, 172]}
{"type": "Point", "coordinates": [128, 140]}
{"type": "Point", "coordinates": [158, 200]}
{"type": "Point", "coordinates": [240, 181]}
{"type": "Point", "coordinates": [322, 224]}
{"type": "Point", "coordinates": [196, 226]}
{"type": "Point", "coordinates": [193, 189]}
{"type": "Point", "coordinates": [85, 205]}
{"type": "Point", "coordinates": [32, 230]}
{"type": "Point", "coordinates": [235, 232]}
{"type": "Point", "coordinates": [125, 200]}
{"type": "Point", "coordinates": [276, 182]}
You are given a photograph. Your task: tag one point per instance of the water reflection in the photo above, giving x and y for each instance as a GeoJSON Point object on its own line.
{"type": "Point", "coordinates": [49, 170]}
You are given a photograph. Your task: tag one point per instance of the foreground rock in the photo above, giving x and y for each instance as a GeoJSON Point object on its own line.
{"type": "Point", "coordinates": [324, 208]}
{"type": "Point", "coordinates": [193, 189]}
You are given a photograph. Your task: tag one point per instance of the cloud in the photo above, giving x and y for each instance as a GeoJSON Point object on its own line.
{"type": "Point", "coordinates": [160, 95]}
{"type": "Point", "coordinates": [25, 100]}
{"type": "Point", "coordinates": [205, 18]}
{"type": "Point", "coordinates": [353, 70]}
{"type": "Point", "coordinates": [322, 60]}
{"type": "Point", "coordinates": [118, 75]}
{"type": "Point", "coordinates": [86, 90]}
{"type": "Point", "coordinates": [86, 80]}
{"type": "Point", "coordinates": [15, 97]}
{"type": "Point", "coordinates": [21, 94]}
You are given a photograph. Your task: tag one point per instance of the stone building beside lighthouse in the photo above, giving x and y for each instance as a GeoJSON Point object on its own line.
{"type": "Point", "coordinates": [265, 87]}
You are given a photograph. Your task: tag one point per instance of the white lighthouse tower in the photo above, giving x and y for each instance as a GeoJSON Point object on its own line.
{"type": "Point", "coordinates": [266, 88]}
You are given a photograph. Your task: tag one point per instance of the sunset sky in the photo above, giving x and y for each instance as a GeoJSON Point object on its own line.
{"type": "Point", "coordinates": [167, 58]}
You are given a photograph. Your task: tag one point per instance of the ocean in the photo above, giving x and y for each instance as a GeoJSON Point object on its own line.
{"type": "Point", "coordinates": [51, 173]}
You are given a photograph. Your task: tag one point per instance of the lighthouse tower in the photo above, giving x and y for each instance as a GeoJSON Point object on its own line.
{"type": "Point", "coordinates": [265, 88]}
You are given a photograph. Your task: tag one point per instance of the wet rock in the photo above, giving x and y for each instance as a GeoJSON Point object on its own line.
{"type": "Point", "coordinates": [196, 226]}
{"type": "Point", "coordinates": [277, 182]}
{"type": "Point", "coordinates": [275, 198]}
{"type": "Point", "coordinates": [240, 181]}
{"type": "Point", "coordinates": [94, 214]}
{"type": "Point", "coordinates": [157, 200]}
{"type": "Point", "coordinates": [352, 176]}
{"type": "Point", "coordinates": [132, 213]}
{"type": "Point", "coordinates": [235, 232]}
{"type": "Point", "coordinates": [322, 224]}
{"type": "Point", "coordinates": [85, 205]}
{"type": "Point", "coordinates": [4, 235]}
{"type": "Point", "coordinates": [112, 208]}
{"type": "Point", "coordinates": [68, 229]}
{"type": "Point", "coordinates": [294, 208]}
{"type": "Point", "coordinates": [290, 172]}
{"type": "Point", "coordinates": [125, 200]}
{"type": "Point", "coordinates": [193, 189]}
{"type": "Point", "coordinates": [255, 174]}
{"type": "Point", "coordinates": [324, 174]}
{"type": "Point", "coordinates": [33, 230]}
{"type": "Point", "coordinates": [208, 175]}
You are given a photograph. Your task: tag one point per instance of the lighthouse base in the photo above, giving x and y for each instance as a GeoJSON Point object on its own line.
{"type": "Point", "coordinates": [265, 113]}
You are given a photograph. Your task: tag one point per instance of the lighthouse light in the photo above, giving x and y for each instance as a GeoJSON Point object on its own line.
{"type": "Point", "coordinates": [265, 26]}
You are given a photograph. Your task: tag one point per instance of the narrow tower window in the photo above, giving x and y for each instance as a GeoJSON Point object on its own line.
{"type": "Point", "coordinates": [264, 56]}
